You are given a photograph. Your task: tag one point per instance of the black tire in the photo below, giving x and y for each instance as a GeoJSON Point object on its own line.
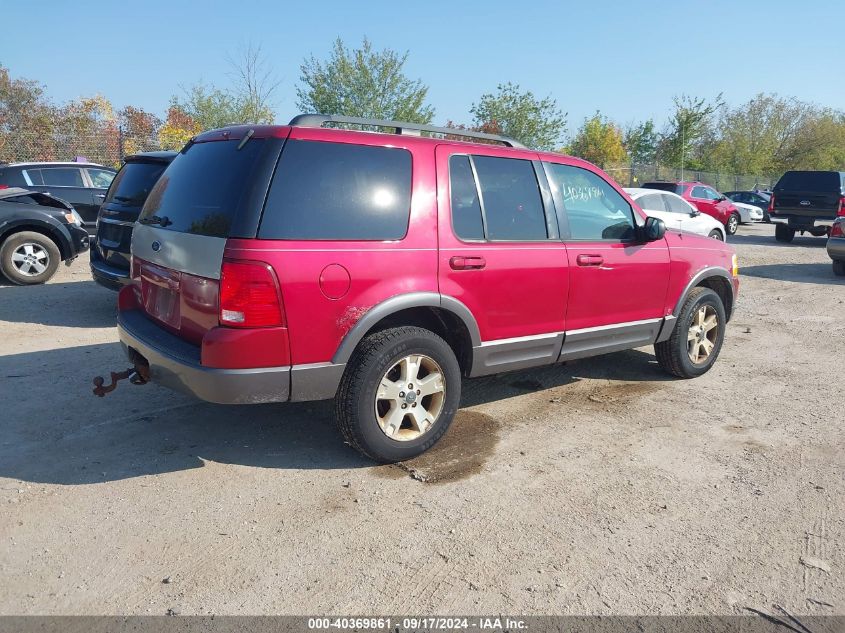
{"type": "Point", "coordinates": [839, 267]}
{"type": "Point", "coordinates": [355, 402]}
{"type": "Point", "coordinates": [672, 354]}
{"type": "Point", "coordinates": [716, 234]}
{"type": "Point", "coordinates": [40, 245]}
{"type": "Point", "coordinates": [732, 224]}
{"type": "Point", "coordinates": [783, 233]}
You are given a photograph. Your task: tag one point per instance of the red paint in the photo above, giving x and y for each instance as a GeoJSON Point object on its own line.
{"type": "Point", "coordinates": [335, 281]}
{"type": "Point", "coordinates": [241, 348]}
{"type": "Point", "coordinates": [719, 209]}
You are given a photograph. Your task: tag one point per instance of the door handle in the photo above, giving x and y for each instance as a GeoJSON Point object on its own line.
{"type": "Point", "coordinates": [590, 260]}
{"type": "Point", "coordinates": [467, 263]}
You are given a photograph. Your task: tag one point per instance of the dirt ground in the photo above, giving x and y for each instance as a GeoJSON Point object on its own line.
{"type": "Point", "coordinates": [598, 487]}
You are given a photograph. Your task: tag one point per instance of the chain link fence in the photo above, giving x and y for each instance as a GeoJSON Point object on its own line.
{"type": "Point", "coordinates": [637, 175]}
{"type": "Point", "coordinates": [108, 147]}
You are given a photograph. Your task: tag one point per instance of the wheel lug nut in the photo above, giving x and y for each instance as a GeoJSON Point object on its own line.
{"type": "Point", "coordinates": [401, 394]}
{"type": "Point", "coordinates": [413, 405]}
{"type": "Point", "coordinates": [410, 386]}
{"type": "Point", "coordinates": [418, 392]}
{"type": "Point", "coordinates": [404, 406]}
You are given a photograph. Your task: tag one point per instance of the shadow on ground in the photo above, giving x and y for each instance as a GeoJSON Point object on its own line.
{"type": "Point", "coordinates": [67, 436]}
{"type": "Point", "coordinates": [73, 304]}
{"type": "Point", "coordinates": [800, 273]}
{"type": "Point", "coordinates": [769, 240]}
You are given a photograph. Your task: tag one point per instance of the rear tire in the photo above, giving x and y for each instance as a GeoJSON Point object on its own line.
{"type": "Point", "coordinates": [839, 267]}
{"type": "Point", "coordinates": [783, 233]}
{"type": "Point", "coordinates": [675, 354]}
{"type": "Point", "coordinates": [732, 224]}
{"type": "Point", "coordinates": [716, 234]}
{"type": "Point", "coordinates": [373, 419]}
{"type": "Point", "coordinates": [28, 258]}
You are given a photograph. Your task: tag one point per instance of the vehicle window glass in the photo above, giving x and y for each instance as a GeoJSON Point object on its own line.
{"type": "Point", "coordinates": [133, 184]}
{"type": "Point", "coordinates": [677, 205]}
{"type": "Point", "coordinates": [700, 193]}
{"type": "Point", "coordinates": [809, 181]}
{"type": "Point", "coordinates": [466, 209]}
{"type": "Point", "coordinates": [202, 189]}
{"type": "Point", "coordinates": [62, 177]}
{"type": "Point", "coordinates": [101, 178]}
{"type": "Point", "coordinates": [651, 202]}
{"type": "Point", "coordinates": [595, 210]}
{"type": "Point", "coordinates": [513, 208]}
{"type": "Point", "coordinates": [712, 194]}
{"type": "Point", "coordinates": [32, 177]}
{"type": "Point", "coordinates": [339, 191]}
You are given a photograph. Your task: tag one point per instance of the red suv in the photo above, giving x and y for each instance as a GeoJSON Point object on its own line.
{"type": "Point", "coordinates": [706, 199]}
{"type": "Point", "coordinates": [290, 263]}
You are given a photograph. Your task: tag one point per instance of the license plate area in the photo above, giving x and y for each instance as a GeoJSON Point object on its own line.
{"type": "Point", "coordinates": [160, 294]}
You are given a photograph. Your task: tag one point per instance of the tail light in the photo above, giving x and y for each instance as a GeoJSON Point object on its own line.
{"type": "Point", "coordinates": [249, 295]}
{"type": "Point", "coordinates": [4, 186]}
{"type": "Point", "coordinates": [838, 229]}
{"type": "Point", "coordinates": [841, 211]}
{"type": "Point", "coordinates": [772, 204]}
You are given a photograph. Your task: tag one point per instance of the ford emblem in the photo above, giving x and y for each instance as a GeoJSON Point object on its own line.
{"type": "Point", "coordinates": [805, 203]}
{"type": "Point", "coordinates": [156, 246]}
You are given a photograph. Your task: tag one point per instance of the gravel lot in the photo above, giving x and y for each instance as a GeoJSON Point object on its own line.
{"type": "Point", "coordinates": [597, 487]}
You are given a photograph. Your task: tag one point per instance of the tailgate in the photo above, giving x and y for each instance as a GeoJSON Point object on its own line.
{"type": "Point", "coordinates": [807, 204]}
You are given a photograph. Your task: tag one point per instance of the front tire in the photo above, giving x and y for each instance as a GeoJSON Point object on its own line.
{"type": "Point", "coordinates": [783, 233]}
{"type": "Point", "coordinates": [716, 234]}
{"type": "Point", "coordinates": [839, 267]}
{"type": "Point", "coordinates": [697, 339]}
{"type": "Point", "coordinates": [399, 394]}
{"type": "Point", "coordinates": [732, 224]}
{"type": "Point", "coordinates": [28, 258]}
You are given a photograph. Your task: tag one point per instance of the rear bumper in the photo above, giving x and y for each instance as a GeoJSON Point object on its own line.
{"type": "Point", "coordinates": [111, 277]}
{"type": "Point", "coordinates": [836, 248]}
{"type": "Point", "coordinates": [179, 367]}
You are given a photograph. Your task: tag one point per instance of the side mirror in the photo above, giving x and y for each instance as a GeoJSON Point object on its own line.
{"type": "Point", "coordinates": [722, 198]}
{"type": "Point", "coordinates": [694, 213]}
{"type": "Point", "coordinates": [654, 229]}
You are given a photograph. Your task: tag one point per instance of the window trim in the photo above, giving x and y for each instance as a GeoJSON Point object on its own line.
{"type": "Point", "coordinates": [563, 217]}
{"type": "Point", "coordinates": [81, 171]}
{"type": "Point", "coordinates": [546, 202]}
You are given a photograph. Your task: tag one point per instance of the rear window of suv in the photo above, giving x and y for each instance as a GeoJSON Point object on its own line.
{"type": "Point", "coordinates": [809, 181]}
{"type": "Point", "coordinates": [133, 184]}
{"type": "Point", "coordinates": [338, 191]}
{"type": "Point", "coordinates": [201, 190]}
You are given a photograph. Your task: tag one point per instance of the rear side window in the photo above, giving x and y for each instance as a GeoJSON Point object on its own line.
{"type": "Point", "coordinates": [510, 194]}
{"type": "Point", "coordinates": [62, 177]}
{"type": "Point", "coordinates": [466, 208]}
{"type": "Point", "coordinates": [133, 184]}
{"type": "Point", "coordinates": [809, 181]}
{"type": "Point", "coordinates": [594, 209]}
{"type": "Point", "coordinates": [202, 188]}
{"type": "Point", "coordinates": [652, 202]}
{"type": "Point", "coordinates": [676, 205]}
{"type": "Point", "coordinates": [100, 178]}
{"type": "Point", "coordinates": [338, 191]}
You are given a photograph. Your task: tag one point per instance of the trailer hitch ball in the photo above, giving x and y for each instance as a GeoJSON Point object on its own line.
{"type": "Point", "coordinates": [137, 375]}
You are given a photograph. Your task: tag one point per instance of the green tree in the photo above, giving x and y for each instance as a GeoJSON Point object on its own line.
{"type": "Point", "coordinates": [363, 83]}
{"type": "Point", "coordinates": [641, 142]}
{"type": "Point", "coordinates": [537, 123]}
{"type": "Point", "coordinates": [599, 141]}
{"type": "Point", "coordinates": [26, 120]}
{"type": "Point", "coordinates": [683, 142]}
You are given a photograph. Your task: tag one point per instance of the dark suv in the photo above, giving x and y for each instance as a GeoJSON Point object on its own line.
{"type": "Point", "coordinates": [83, 185]}
{"type": "Point", "coordinates": [290, 263]}
{"type": "Point", "coordinates": [127, 194]}
{"type": "Point", "coordinates": [807, 201]}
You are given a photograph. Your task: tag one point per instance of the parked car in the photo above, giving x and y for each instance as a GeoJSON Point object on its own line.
{"type": "Point", "coordinates": [378, 269]}
{"type": "Point", "coordinates": [37, 231]}
{"type": "Point", "coordinates": [110, 255]}
{"type": "Point", "coordinates": [676, 212]}
{"type": "Point", "coordinates": [836, 246]}
{"type": "Point", "coordinates": [706, 199]}
{"type": "Point", "coordinates": [83, 185]}
{"type": "Point", "coordinates": [759, 199]}
{"type": "Point", "coordinates": [807, 201]}
{"type": "Point", "coordinates": [748, 213]}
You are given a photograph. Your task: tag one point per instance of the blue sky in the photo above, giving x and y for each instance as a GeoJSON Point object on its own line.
{"type": "Point", "coordinates": [626, 59]}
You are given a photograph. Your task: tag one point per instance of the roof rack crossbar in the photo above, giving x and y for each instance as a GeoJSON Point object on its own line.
{"type": "Point", "coordinates": [398, 127]}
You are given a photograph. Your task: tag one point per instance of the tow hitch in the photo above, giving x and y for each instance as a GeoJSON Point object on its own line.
{"type": "Point", "coordinates": [137, 375]}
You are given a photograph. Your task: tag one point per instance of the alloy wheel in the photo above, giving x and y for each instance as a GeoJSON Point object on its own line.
{"type": "Point", "coordinates": [410, 397]}
{"type": "Point", "coordinates": [701, 339]}
{"type": "Point", "coordinates": [30, 259]}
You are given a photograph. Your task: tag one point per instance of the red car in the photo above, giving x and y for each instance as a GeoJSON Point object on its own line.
{"type": "Point", "coordinates": [706, 199]}
{"type": "Point", "coordinates": [290, 263]}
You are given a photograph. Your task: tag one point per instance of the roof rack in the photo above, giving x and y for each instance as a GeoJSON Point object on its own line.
{"type": "Point", "coordinates": [318, 120]}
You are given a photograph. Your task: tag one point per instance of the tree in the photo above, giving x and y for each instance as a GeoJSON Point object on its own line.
{"type": "Point", "coordinates": [209, 107]}
{"type": "Point", "coordinates": [139, 128]}
{"type": "Point", "coordinates": [255, 85]}
{"type": "Point", "coordinates": [26, 120]}
{"type": "Point", "coordinates": [691, 123]}
{"type": "Point", "coordinates": [88, 127]}
{"type": "Point", "coordinates": [641, 142]}
{"type": "Point", "coordinates": [599, 141]}
{"type": "Point", "coordinates": [177, 129]}
{"type": "Point", "coordinates": [536, 123]}
{"type": "Point", "coordinates": [362, 83]}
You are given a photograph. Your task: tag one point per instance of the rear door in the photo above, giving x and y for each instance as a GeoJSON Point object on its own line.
{"type": "Point", "coordinates": [617, 284]}
{"type": "Point", "coordinates": [707, 201]}
{"type": "Point", "coordinates": [67, 183]}
{"type": "Point", "coordinates": [501, 254]}
{"type": "Point", "coordinates": [654, 204]}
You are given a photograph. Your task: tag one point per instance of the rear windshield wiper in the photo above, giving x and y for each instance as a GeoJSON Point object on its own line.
{"type": "Point", "coordinates": [154, 219]}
